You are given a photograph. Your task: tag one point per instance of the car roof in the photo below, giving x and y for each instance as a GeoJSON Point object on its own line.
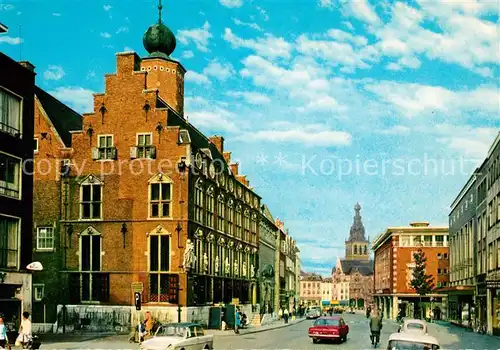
{"type": "Point", "coordinates": [181, 324]}
{"type": "Point", "coordinates": [424, 323]}
{"type": "Point", "coordinates": [414, 337]}
{"type": "Point", "coordinates": [338, 317]}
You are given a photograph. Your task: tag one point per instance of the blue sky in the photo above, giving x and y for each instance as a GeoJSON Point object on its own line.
{"type": "Point", "coordinates": [324, 103]}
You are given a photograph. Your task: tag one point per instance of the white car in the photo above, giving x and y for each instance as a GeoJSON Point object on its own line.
{"type": "Point", "coordinates": [313, 313]}
{"type": "Point", "coordinates": [414, 325]}
{"type": "Point", "coordinates": [412, 340]}
{"type": "Point", "coordinates": [179, 336]}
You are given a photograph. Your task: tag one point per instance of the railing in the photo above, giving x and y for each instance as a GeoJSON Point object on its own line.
{"type": "Point", "coordinates": [9, 129]}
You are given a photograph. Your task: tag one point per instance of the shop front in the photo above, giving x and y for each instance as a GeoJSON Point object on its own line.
{"type": "Point", "coordinates": [493, 301]}
{"type": "Point", "coordinates": [461, 305]}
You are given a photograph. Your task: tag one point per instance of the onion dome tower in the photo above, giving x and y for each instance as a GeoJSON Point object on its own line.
{"type": "Point", "coordinates": [159, 40]}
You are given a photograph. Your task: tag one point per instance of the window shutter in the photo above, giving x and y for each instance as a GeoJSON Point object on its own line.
{"type": "Point", "coordinates": [133, 152]}
{"type": "Point", "coordinates": [153, 152]}
{"type": "Point", "coordinates": [113, 153]}
{"type": "Point", "coordinates": [95, 153]}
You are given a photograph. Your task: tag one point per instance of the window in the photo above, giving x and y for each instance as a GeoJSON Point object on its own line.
{"type": "Point", "coordinates": [10, 113]}
{"type": "Point", "coordinates": [38, 292]}
{"type": "Point", "coordinates": [253, 228]}
{"type": "Point", "coordinates": [145, 149]}
{"type": "Point", "coordinates": [35, 145]}
{"type": "Point", "coordinates": [90, 199]}
{"type": "Point", "coordinates": [230, 217]}
{"type": "Point", "coordinates": [10, 176]}
{"type": "Point", "coordinates": [439, 271]}
{"type": "Point", "coordinates": [439, 255]}
{"type": "Point", "coordinates": [220, 213]}
{"type": "Point", "coordinates": [105, 147]}
{"type": "Point", "coordinates": [246, 225]}
{"type": "Point", "coordinates": [445, 255]}
{"type": "Point", "coordinates": [210, 207]}
{"type": "Point", "coordinates": [45, 238]}
{"type": "Point", "coordinates": [198, 201]}
{"type": "Point", "coordinates": [93, 285]}
{"type": "Point", "coordinates": [9, 239]}
{"type": "Point", "coordinates": [239, 228]}
{"type": "Point", "coordinates": [160, 198]}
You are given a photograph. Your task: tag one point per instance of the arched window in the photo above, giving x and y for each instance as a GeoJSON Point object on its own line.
{"type": "Point", "coordinates": [230, 217]}
{"type": "Point", "coordinates": [253, 229]}
{"type": "Point", "coordinates": [221, 213]}
{"type": "Point", "coordinates": [355, 249]}
{"type": "Point", "coordinates": [198, 201]}
{"type": "Point", "coordinates": [160, 281]}
{"type": "Point", "coordinates": [366, 250]}
{"type": "Point", "coordinates": [210, 207]}
{"type": "Point", "coordinates": [246, 225]}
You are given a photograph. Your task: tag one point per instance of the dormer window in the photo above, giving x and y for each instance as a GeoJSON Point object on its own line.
{"type": "Point", "coordinates": [184, 136]}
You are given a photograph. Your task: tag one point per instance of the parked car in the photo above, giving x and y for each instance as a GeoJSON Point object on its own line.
{"type": "Point", "coordinates": [412, 340]}
{"type": "Point", "coordinates": [177, 336]}
{"type": "Point", "coordinates": [413, 325]}
{"type": "Point", "coordinates": [313, 313]}
{"type": "Point", "coordinates": [329, 328]}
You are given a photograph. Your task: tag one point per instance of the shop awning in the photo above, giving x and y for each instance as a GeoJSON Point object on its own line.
{"type": "Point", "coordinates": [344, 302]}
{"type": "Point", "coordinates": [325, 302]}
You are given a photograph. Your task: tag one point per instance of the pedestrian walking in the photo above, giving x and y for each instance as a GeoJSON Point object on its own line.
{"type": "Point", "coordinates": [280, 313]}
{"type": "Point", "coordinates": [237, 321]}
{"type": "Point", "coordinates": [375, 327]}
{"type": "Point", "coordinates": [285, 315]}
{"type": "Point", "coordinates": [25, 335]}
{"type": "Point", "coordinates": [4, 341]}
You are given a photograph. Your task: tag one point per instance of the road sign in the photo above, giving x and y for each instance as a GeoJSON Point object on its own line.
{"type": "Point", "coordinates": [137, 297]}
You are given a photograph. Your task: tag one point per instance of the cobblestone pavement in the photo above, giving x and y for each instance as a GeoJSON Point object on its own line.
{"type": "Point", "coordinates": [295, 337]}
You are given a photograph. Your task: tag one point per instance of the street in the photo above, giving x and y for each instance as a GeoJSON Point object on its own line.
{"type": "Point", "coordinates": [295, 337]}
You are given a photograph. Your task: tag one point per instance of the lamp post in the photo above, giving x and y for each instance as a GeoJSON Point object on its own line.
{"type": "Point", "coordinates": [181, 167]}
{"type": "Point", "coordinates": [35, 266]}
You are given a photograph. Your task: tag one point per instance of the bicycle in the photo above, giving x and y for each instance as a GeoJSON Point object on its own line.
{"type": "Point", "coordinates": [481, 329]}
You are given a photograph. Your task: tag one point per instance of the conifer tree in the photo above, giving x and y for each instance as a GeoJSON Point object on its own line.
{"type": "Point", "coordinates": [421, 282]}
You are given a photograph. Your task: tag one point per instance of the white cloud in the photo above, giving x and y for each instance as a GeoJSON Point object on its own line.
{"type": "Point", "coordinates": [325, 3]}
{"type": "Point", "coordinates": [197, 78]}
{"type": "Point", "coordinates": [395, 130]}
{"type": "Point", "coordinates": [56, 14]}
{"type": "Point", "coordinates": [348, 25]}
{"type": "Point", "coordinates": [199, 36]}
{"type": "Point", "coordinates": [10, 40]}
{"type": "Point", "coordinates": [187, 54]}
{"type": "Point", "coordinates": [54, 73]}
{"type": "Point", "coordinates": [122, 29]}
{"type": "Point", "coordinates": [340, 35]}
{"type": "Point", "coordinates": [208, 114]}
{"type": "Point", "coordinates": [221, 71]}
{"type": "Point", "coordinates": [231, 3]}
{"type": "Point", "coordinates": [106, 35]}
{"type": "Point", "coordinates": [267, 46]}
{"type": "Point", "coordinates": [107, 7]}
{"type": "Point", "coordinates": [362, 10]}
{"type": "Point", "coordinates": [263, 13]}
{"type": "Point", "coordinates": [415, 99]}
{"type": "Point", "coordinates": [247, 24]}
{"type": "Point", "coordinates": [6, 7]}
{"type": "Point", "coordinates": [253, 98]}
{"type": "Point", "coordinates": [308, 135]}
{"type": "Point", "coordinates": [405, 62]}
{"type": "Point", "coordinates": [80, 99]}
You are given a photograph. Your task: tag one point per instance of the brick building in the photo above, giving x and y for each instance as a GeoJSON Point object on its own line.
{"type": "Point", "coordinates": [17, 83]}
{"type": "Point", "coordinates": [145, 202]}
{"type": "Point", "coordinates": [394, 263]}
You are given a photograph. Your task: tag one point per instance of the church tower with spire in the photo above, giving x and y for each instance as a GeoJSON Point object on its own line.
{"type": "Point", "coordinates": [357, 246]}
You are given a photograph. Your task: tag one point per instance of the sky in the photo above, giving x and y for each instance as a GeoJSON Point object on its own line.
{"type": "Point", "coordinates": [324, 103]}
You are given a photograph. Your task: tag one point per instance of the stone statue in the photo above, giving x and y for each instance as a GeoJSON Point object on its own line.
{"type": "Point", "coordinates": [236, 268]}
{"type": "Point", "coordinates": [205, 262]}
{"type": "Point", "coordinates": [217, 265]}
{"type": "Point", "coordinates": [252, 271]}
{"type": "Point", "coordinates": [189, 256]}
{"type": "Point", "coordinates": [244, 268]}
{"type": "Point", "coordinates": [227, 266]}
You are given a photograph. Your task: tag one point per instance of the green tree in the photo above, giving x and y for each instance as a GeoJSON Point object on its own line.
{"type": "Point", "coordinates": [421, 282]}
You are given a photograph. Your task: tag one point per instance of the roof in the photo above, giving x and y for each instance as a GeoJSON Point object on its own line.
{"type": "Point", "coordinates": [406, 230]}
{"type": "Point", "coordinates": [414, 337]}
{"type": "Point", "coordinates": [365, 267]}
{"type": "Point", "coordinates": [62, 117]}
{"type": "Point", "coordinates": [267, 213]}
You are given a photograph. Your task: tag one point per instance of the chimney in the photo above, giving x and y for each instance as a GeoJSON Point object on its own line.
{"type": "Point", "coordinates": [218, 141]}
{"type": "Point", "coordinates": [234, 168]}
{"type": "Point", "coordinates": [227, 156]}
{"type": "Point", "coordinates": [27, 65]}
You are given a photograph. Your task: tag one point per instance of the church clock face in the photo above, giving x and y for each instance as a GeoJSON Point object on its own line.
{"type": "Point", "coordinates": [198, 161]}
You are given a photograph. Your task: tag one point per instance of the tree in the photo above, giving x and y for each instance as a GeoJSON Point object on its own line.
{"type": "Point", "coordinates": [421, 282]}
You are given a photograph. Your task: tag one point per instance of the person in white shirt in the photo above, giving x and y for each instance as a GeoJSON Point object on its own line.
{"type": "Point", "coordinates": [25, 329]}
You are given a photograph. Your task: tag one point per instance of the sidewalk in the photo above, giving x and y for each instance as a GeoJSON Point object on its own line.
{"type": "Point", "coordinates": [254, 329]}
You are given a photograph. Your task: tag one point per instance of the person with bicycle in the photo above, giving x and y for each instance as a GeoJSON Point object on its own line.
{"type": "Point", "coordinates": [375, 327]}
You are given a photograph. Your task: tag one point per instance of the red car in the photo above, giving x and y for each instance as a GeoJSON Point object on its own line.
{"type": "Point", "coordinates": [329, 328]}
